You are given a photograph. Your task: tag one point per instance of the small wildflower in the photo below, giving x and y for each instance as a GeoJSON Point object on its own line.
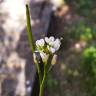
{"type": "Point", "coordinates": [44, 57]}
{"type": "Point", "coordinates": [57, 44]}
{"type": "Point", "coordinates": [40, 42]}
{"type": "Point", "coordinates": [49, 40]}
{"type": "Point", "coordinates": [52, 44]}
{"type": "Point", "coordinates": [46, 46]}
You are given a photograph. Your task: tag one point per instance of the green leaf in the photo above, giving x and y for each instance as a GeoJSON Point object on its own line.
{"type": "Point", "coordinates": [30, 35]}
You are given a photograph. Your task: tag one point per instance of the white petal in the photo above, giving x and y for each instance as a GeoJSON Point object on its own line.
{"type": "Point", "coordinates": [57, 44]}
{"type": "Point", "coordinates": [46, 39]}
{"type": "Point", "coordinates": [37, 42]}
{"type": "Point", "coordinates": [52, 50]}
{"type": "Point", "coordinates": [42, 42]}
{"type": "Point", "coordinates": [51, 39]}
{"type": "Point", "coordinates": [51, 43]}
{"type": "Point", "coordinates": [44, 56]}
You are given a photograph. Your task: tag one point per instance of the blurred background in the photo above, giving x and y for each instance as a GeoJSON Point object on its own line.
{"type": "Point", "coordinates": [75, 71]}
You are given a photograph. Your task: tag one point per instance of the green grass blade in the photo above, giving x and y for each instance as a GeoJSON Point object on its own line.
{"type": "Point", "coordinates": [30, 35]}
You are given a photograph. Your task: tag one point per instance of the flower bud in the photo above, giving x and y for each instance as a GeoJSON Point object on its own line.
{"type": "Point", "coordinates": [54, 60]}
{"type": "Point", "coordinates": [35, 58]}
{"type": "Point", "coordinates": [44, 57]}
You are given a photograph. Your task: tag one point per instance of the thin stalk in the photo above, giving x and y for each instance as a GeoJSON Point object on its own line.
{"type": "Point", "coordinates": [39, 73]}
{"type": "Point", "coordinates": [50, 69]}
{"type": "Point", "coordinates": [30, 35]}
{"type": "Point", "coordinates": [42, 85]}
{"type": "Point", "coordinates": [31, 39]}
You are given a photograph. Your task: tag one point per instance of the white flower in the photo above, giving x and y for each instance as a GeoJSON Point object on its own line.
{"type": "Point", "coordinates": [52, 44]}
{"type": "Point", "coordinates": [51, 49]}
{"type": "Point", "coordinates": [40, 42]}
{"type": "Point", "coordinates": [48, 45]}
{"type": "Point", "coordinates": [57, 44]}
{"type": "Point", "coordinates": [44, 57]}
{"type": "Point", "coordinates": [49, 40]}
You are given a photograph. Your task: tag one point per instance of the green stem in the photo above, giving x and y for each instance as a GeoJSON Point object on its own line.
{"type": "Point", "coordinates": [30, 35]}
{"type": "Point", "coordinates": [31, 39]}
{"type": "Point", "coordinates": [42, 85]}
{"type": "Point", "coordinates": [39, 73]}
{"type": "Point", "coordinates": [42, 88]}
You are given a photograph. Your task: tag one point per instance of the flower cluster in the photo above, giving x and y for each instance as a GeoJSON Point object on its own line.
{"type": "Point", "coordinates": [43, 49]}
{"type": "Point", "coordinates": [47, 46]}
